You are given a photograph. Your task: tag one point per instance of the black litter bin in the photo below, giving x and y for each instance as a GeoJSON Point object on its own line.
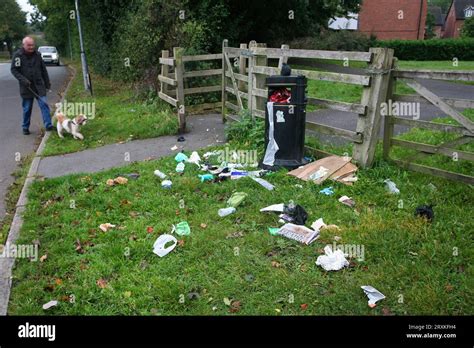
{"type": "Point", "coordinates": [285, 126]}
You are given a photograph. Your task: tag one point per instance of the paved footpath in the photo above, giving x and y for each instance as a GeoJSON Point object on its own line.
{"type": "Point", "coordinates": [203, 131]}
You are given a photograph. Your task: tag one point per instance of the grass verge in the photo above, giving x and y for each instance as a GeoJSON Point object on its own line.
{"type": "Point", "coordinates": [119, 116]}
{"type": "Point", "coordinates": [422, 268]}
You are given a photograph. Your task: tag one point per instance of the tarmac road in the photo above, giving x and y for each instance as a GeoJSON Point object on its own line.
{"type": "Point", "coordinates": [12, 142]}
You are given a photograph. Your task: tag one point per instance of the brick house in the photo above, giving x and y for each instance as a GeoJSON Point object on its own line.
{"type": "Point", "coordinates": [394, 19]}
{"type": "Point", "coordinates": [439, 17]}
{"type": "Point", "coordinates": [459, 11]}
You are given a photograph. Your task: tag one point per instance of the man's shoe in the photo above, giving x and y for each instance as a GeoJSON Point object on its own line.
{"type": "Point", "coordinates": [49, 129]}
{"type": "Point", "coordinates": [26, 132]}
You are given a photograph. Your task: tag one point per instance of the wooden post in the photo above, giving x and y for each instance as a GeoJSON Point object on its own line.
{"type": "Point", "coordinates": [258, 80]}
{"type": "Point", "coordinates": [223, 93]}
{"type": "Point", "coordinates": [373, 96]}
{"type": "Point", "coordinates": [179, 71]}
{"type": "Point", "coordinates": [164, 71]}
{"type": "Point", "coordinates": [283, 58]}
{"type": "Point", "coordinates": [242, 66]}
{"type": "Point", "coordinates": [388, 125]}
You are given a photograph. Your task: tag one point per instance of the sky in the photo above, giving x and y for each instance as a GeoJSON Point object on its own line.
{"type": "Point", "coordinates": [25, 6]}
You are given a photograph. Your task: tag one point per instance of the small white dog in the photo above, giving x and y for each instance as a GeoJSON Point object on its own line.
{"type": "Point", "coordinates": [71, 126]}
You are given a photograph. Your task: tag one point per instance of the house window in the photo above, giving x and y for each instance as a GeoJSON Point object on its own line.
{"type": "Point", "coordinates": [469, 11]}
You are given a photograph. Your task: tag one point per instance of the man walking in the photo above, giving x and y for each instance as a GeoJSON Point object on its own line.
{"type": "Point", "coordinates": [29, 69]}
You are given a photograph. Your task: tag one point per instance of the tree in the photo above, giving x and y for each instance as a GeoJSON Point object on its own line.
{"type": "Point", "coordinates": [468, 28]}
{"type": "Point", "coordinates": [12, 23]}
{"type": "Point", "coordinates": [430, 24]}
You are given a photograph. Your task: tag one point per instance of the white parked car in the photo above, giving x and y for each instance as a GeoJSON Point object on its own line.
{"type": "Point", "coordinates": [49, 54]}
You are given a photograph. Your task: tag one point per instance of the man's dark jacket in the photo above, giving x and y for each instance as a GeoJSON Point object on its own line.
{"type": "Point", "coordinates": [30, 70]}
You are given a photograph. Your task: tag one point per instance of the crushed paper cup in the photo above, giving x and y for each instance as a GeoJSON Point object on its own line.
{"type": "Point", "coordinates": [373, 294]}
{"type": "Point", "coordinates": [159, 245]}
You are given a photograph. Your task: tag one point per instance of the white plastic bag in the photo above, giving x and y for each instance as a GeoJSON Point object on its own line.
{"type": "Point", "coordinates": [333, 260]}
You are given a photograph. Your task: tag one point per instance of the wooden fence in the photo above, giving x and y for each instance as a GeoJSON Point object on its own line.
{"type": "Point", "coordinates": [465, 130]}
{"type": "Point", "coordinates": [249, 84]}
{"type": "Point", "coordinates": [173, 81]}
{"type": "Point", "coordinates": [243, 71]}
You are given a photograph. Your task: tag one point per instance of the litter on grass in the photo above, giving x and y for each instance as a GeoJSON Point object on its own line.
{"type": "Point", "coordinates": [159, 247]}
{"type": "Point", "coordinates": [373, 294]}
{"type": "Point", "coordinates": [182, 229]}
{"type": "Point", "coordinates": [347, 201]}
{"type": "Point", "coordinates": [107, 226]}
{"type": "Point", "coordinates": [391, 187]}
{"type": "Point", "coordinates": [274, 208]}
{"type": "Point", "coordinates": [332, 260]}
{"type": "Point", "coordinates": [318, 224]}
{"type": "Point", "coordinates": [194, 158]}
{"type": "Point", "coordinates": [50, 304]}
{"type": "Point", "coordinates": [328, 191]}
{"type": "Point", "coordinates": [166, 184]}
{"type": "Point", "coordinates": [273, 230]}
{"type": "Point", "coordinates": [174, 148]}
{"type": "Point", "coordinates": [180, 157]}
{"type": "Point", "coordinates": [206, 177]}
{"type": "Point", "coordinates": [264, 183]}
{"type": "Point", "coordinates": [299, 233]}
{"type": "Point", "coordinates": [333, 167]}
{"type": "Point", "coordinates": [425, 211]}
{"type": "Point", "coordinates": [180, 167]}
{"type": "Point", "coordinates": [236, 199]}
{"type": "Point", "coordinates": [159, 174]}
{"type": "Point", "coordinates": [226, 211]}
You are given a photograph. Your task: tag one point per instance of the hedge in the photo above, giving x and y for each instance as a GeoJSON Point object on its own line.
{"type": "Point", "coordinates": [434, 49]}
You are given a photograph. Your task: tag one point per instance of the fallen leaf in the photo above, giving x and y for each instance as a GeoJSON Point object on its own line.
{"type": "Point", "coordinates": [101, 283]}
{"type": "Point", "coordinates": [107, 226]}
{"type": "Point", "coordinates": [235, 306]}
{"type": "Point", "coordinates": [149, 229]}
{"type": "Point", "coordinates": [203, 225]}
{"type": "Point", "coordinates": [58, 281]}
{"type": "Point", "coordinates": [181, 242]}
{"type": "Point", "coordinates": [449, 288]}
{"type": "Point", "coordinates": [276, 264]}
{"type": "Point", "coordinates": [121, 180]}
{"type": "Point", "coordinates": [43, 258]}
{"type": "Point", "coordinates": [386, 311]}
{"type": "Point", "coordinates": [110, 182]}
{"type": "Point", "coordinates": [304, 306]}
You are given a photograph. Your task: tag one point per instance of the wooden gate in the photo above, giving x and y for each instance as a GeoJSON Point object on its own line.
{"type": "Point", "coordinates": [465, 130]}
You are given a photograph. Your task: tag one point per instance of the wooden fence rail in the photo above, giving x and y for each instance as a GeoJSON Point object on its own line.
{"type": "Point", "coordinates": [243, 71]}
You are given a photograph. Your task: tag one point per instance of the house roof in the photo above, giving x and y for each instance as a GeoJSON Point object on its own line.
{"type": "Point", "coordinates": [460, 6]}
{"type": "Point", "coordinates": [437, 14]}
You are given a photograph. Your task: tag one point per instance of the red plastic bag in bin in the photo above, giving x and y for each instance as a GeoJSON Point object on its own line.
{"type": "Point", "coordinates": [282, 95]}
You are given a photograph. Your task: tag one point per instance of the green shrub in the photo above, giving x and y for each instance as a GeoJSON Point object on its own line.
{"type": "Point", "coordinates": [247, 131]}
{"type": "Point", "coordinates": [468, 28]}
{"type": "Point", "coordinates": [343, 40]}
{"type": "Point", "coordinates": [434, 49]}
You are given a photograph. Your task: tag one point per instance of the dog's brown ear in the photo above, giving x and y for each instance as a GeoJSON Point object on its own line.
{"type": "Point", "coordinates": [80, 119]}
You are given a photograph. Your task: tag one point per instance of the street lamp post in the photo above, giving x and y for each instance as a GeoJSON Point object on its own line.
{"type": "Point", "coordinates": [85, 69]}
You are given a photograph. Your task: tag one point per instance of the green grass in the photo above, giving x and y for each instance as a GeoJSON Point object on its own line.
{"type": "Point", "coordinates": [12, 195]}
{"type": "Point", "coordinates": [404, 256]}
{"type": "Point", "coordinates": [119, 116]}
{"type": "Point", "coordinates": [430, 137]}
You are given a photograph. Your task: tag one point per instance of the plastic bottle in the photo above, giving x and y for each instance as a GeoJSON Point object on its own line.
{"type": "Point", "coordinates": [166, 184]}
{"type": "Point", "coordinates": [180, 167]}
{"type": "Point", "coordinates": [226, 211]}
{"type": "Point", "coordinates": [391, 187]}
{"type": "Point", "coordinates": [159, 174]}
